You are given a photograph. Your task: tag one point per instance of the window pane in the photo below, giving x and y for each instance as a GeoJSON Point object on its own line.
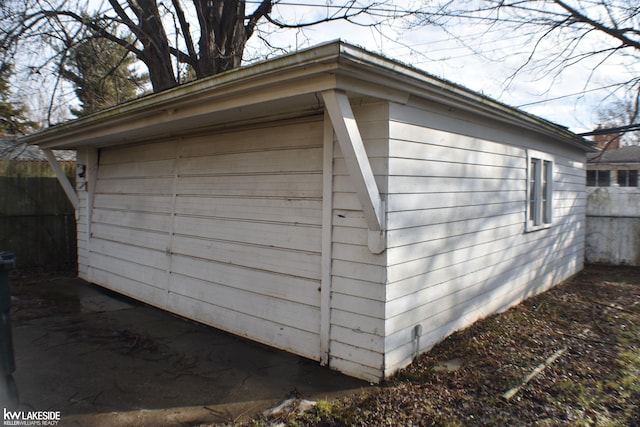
{"type": "Point", "coordinates": [540, 193]}
{"type": "Point", "coordinates": [623, 180]}
{"type": "Point", "coordinates": [547, 196]}
{"type": "Point", "coordinates": [633, 178]}
{"type": "Point", "coordinates": [592, 178]}
{"type": "Point", "coordinates": [533, 193]}
{"type": "Point", "coordinates": [603, 179]}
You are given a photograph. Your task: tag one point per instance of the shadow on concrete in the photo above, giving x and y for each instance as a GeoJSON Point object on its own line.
{"type": "Point", "coordinates": [102, 359]}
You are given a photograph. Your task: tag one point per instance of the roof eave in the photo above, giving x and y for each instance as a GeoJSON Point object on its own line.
{"type": "Point", "coordinates": [331, 65]}
{"type": "Point", "coordinates": [421, 84]}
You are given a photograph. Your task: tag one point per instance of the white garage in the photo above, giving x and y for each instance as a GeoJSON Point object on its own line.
{"type": "Point", "coordinates": [332, 203]}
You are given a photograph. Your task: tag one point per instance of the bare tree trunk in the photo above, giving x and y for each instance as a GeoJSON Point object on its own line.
{"type": "Point", "coordinates": [156, 53]}
{"type": "Point", "coordinates": [223, 35]}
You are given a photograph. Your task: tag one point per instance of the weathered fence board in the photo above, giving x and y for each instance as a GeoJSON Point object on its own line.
{"type": "Point", "coordinates": [37, 222]}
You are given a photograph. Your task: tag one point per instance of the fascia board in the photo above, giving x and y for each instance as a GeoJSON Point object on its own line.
{"type": "Point", "coordinates": [334, 65]}
{"type": "Point", "coordinates": [177, 113]}
{"type": "Point", "coordinates": [287, 71]}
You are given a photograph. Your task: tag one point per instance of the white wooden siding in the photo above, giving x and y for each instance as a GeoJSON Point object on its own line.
{"type": "Point", "coordinates": [358, 276]}
{"type": "Point", "coordinates": [82, 219]}
{"type": "Point", "coordinates": [81, 232]}
{"type": "Point", "coordinates": [222, 228]}
{"type": "Point", "coordinates": [457, 246]}
{"type": "Point", "coordinates": [226, 229]}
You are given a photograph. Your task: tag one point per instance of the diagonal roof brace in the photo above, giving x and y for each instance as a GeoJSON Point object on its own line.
{"type": "Point", "coordinates": [62, 178]}
{"type": "Point", "coordinates": [350, 141]}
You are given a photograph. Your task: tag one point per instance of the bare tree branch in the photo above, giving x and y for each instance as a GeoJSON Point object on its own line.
{"type": "Point", "coordinates": [208, 36]}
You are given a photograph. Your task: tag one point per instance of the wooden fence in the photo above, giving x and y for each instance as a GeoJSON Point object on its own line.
{"type": "Point", "coordinates": [37, 222]}
{"type": "Point", "coordinates": [613, 225]}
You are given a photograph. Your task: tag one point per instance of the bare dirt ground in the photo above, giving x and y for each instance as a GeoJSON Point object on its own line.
{"type": "Point", "coordinates": [591, 324]}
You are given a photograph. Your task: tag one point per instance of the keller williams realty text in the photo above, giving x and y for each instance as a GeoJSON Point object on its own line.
{"type": "Point", "coordinates": [31, 418]}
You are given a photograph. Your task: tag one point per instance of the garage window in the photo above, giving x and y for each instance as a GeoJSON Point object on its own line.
{"type": "Point", "coordinates": [539, 191]}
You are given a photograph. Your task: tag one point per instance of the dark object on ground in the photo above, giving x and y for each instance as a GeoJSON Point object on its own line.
{"type": "Point", "coordinates": [8, 390]}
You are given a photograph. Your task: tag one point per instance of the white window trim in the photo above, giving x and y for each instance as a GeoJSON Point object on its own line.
{"type": "Point", "coordinates": [538, 223]}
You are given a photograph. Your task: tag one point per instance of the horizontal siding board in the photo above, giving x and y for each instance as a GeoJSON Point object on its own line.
{"type": "Point", "coordinates": [294, 160]}
{"type": "Point", "coordinates": [344, 183]}
{"type": "Point", "coordinates": [480, 281]}
{"type": "Point", "coordinates": [137, 272]}
{"type": "Point", "coordinates": [156, 168]}
{"type": "Point", "coordinates": [446, 215]}
{"type": "Point", "coordinates": [379, 167]}
{"type": "Point", "coordinates": [351, 219]}
{"type": "Point", "coordinates": [274, 285]}
{"type": "Point", "coordinates": [468, 128]}
{"type": "Point", "coordinates": [404, 131]}
{"type": "Point", "coordinates": [414, 235]}
{"type": "Point", "coordinates": [81, 220]}
{"type": "Point", "coordinates": [375, 146]}
{"type": "Point", "coordinates": [158, 240]}
{"type": "Point", "coordinates": [82, 235]}
{"type": "Point", "coordinates": [414, 202]}
{"type": "Point", "coordinates": [82, 196]}
{"type": "Point", "coordinates": [354, 270]}
{"type": "Point", "coordinates": [266, 307]}
{"type": "Point", "coordinates": [569, 178]}
{"type": "Point", "coordinates": [302, 134]}
{"type": "Point", "coordinates": [355, 287]}
{"type": "Point", "coordinates": [82, 245]}
{"type": "Point", "coordinates": [441, 267]}
{"type": "Point", "coordinates": [451, 153]}
{"type": "Point", "coordinates": [141, 291]}
{"type": "Point", "coordinates": [289, 185]}
{"type": "Point", "coordinates": [524, 285]}
{"type": "Point", "coordinates": [286, 236]}
{"type": "Point", "coordinates": [413, 167]}
{"type": "Point", "coordinates": [297, 211]}
{"type": "Point", "coordinates": [346, 202]}
{"type": "Point", "coordinates": [137, 220]}
{"type": "Point", "coordinates": [149, 257]}
{"type": "Point", "coordinates": [294, 263]}
{"type": "Point", "coordinates": [284, 337]}
{"type": "Point", "coordinates": [357, 304]}
{"type": "Point", "coordinates": [356, 369]}
{"type": "Point", "coordinates": [472, 269]}
{"type": "Point", "coordinates": [363, 356]}
{"type": "Point", "coordinates": [359, 339]}
{"type": "Point", "coordinates": [130, 202]}
{"type": "Point", "coordinates": [135, 186]}
{"type": "Point", "coordinates": [432, 184]}
{"type": "Point", "coordinates": [350, 235]}
{"type": "Point", "coordinates": [165, 150]}
{"type": "Point", "coordinates": [358, 322]}
{"type": "Point", "coordinates": [456, 243]}
{"type": "Point", "coordinates": [357, 253]}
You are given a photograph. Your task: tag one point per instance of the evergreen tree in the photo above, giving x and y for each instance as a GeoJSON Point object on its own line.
{"type": "Point", "coordinates": [102, 73]}
{"type": "Point", "coordinates": [13, 116]}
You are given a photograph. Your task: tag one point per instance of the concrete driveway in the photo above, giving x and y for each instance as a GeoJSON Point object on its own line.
{"type": "Point", "coordinates": [102, 359]}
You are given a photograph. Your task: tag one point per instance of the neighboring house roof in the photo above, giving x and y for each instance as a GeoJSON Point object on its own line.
{"type": "Point", "coordinates": [624, 154]}
{"type": "Point", "coordinates": [282, 87]}
{"type": "Point", "coordinates": [12, 149]}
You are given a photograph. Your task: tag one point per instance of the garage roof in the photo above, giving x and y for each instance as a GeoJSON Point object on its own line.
{"type": "Point", "coordinates": [279, 87]}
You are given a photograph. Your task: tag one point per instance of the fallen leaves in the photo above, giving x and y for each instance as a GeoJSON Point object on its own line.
{"type": "Point", "coordinates": [595, 316]}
